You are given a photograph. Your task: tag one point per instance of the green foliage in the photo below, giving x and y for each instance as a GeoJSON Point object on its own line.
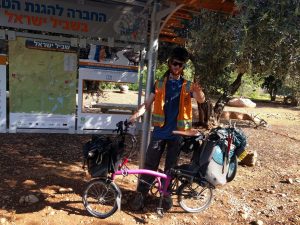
{"type": "Point", "coordinates": [108, 85]}
{"type": "Point", "coordinates": [211, 49]}
{"type": "Point", "coordinates": [261, 40]}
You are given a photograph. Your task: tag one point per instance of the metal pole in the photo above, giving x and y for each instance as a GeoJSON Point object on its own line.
{"type": "Point", "coordinates": [152, 55]}
{"type": "Point", "coordinates": [141, 76]}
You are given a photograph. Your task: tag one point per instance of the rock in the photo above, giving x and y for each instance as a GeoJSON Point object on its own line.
{"type": "Point", "coordinates": [124, 88]}
{"type": "Point", "coordinates": [144, 217]}
{"type": "Point", "coordinates": [257, 222]}
{"type": "Point", "coordinates": [297, 180]}
{"type": "Point", "coordinates": [270, 191]}
{"type": "Point", "coordinates": [29, 182]}
{"type": "Point", "coordinates": [52, 213]}
{"type": "Point", "coordinates": [290, 181]}
{"type": "Point", "coordinates": [28, 200]}
{"type": "Point", "coordinates": [245, 215]}
{"type": "Point", "coordinates": [281, 195]}
{"type": "Point", "coordinates": [65, 190]}
{"type": "Point", "coordinates": [280, 207]}
{"type": "Point", "coordinates": [250, 159]}
{"type": "Point", "coordinates": [3, 220]}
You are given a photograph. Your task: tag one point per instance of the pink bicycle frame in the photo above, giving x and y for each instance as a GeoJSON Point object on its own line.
{"type": "Point", "coordinates": [158, 176]}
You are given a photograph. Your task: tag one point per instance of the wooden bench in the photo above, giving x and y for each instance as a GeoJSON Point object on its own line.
{"type": "Point", "coordinates": [115, 108]}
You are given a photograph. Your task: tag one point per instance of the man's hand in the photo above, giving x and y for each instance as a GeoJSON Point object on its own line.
{"type": "Point", "coordinates": [196, 88]}
{"type": "Point", "coordinates": [142, 109]}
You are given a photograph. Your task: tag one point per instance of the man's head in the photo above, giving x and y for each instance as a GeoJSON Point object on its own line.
{"type": "Point", "coordinates": [178, 58]}
{"type": "Point", "coordinates": [180, 54]}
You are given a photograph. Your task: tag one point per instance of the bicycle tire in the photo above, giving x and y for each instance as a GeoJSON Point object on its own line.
{"type": "Point", "coordinates": [194, 197]}
{"type": "Point", "coordinates": [100, 198]}
{"type": "Point", "coordinates": [232, 169]}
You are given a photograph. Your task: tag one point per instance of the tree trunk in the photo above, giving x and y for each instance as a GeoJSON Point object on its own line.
{"type": "Point", "coordinates": [209, 114]}
{"type": "Point", "coordinates": [205, 112]}
{"type": "Point", "coordinates": [273, 98]}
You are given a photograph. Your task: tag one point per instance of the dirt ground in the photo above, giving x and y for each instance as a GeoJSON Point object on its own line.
{"type": "Point", "coordinates": [49, 166]}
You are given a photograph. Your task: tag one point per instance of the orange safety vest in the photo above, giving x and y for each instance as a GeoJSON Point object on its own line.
{"type": "Point", "coordinates": [184, 118]}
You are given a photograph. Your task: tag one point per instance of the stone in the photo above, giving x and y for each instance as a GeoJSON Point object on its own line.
{"type": "Point", "coordinates": [290, 181]}
{"type": "Point", "coordinates": [245, 215]}
{"type": "Point", "coordinates": [250, 159]}
{"type": "Point", "coordinates": [65, 190]}
{"type": "Point", "coordinates": [257, 222]}
{"type": "Point", "coordinates": [281, 195]}
{"type": "Point", "coordinates": [28, 200]}
{"type": "Point", "coordinates": [3, 220]}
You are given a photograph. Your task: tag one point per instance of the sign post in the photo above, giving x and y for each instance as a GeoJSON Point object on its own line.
{"type": "Point", "coordinates": [2, 95]}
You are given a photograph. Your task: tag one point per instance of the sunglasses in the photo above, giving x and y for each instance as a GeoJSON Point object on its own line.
{"type": "Point", "coordinates": [180, 64]}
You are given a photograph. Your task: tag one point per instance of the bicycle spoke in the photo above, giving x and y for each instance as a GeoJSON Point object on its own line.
{"type": "Point", "coordinates": [100, 198]}
{"type": "Point", "coordinates": [193, 197]}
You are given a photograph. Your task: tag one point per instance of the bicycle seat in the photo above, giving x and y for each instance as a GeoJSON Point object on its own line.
{"type": "Point", "coordinates": [189, 133]}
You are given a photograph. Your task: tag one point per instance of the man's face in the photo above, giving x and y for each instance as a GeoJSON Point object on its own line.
{"type": "Point", "coordinates": [176, 66]}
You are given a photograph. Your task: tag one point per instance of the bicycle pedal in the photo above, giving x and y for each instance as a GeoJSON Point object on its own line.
{"type": "Point", "coordinates": [160, 212]}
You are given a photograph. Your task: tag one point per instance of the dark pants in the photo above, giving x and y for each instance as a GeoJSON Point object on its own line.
{"type": "Point", "coordinates": [153, 156]}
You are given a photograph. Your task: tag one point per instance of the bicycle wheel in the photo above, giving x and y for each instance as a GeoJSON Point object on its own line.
{"type": "Point", "coordinates": [232, 169]}
{"type": "Point", "coordinates": [130, 145]}
{"type": "Point", "coordinates": [100, 198]}
{"type": "Point", "coordinates": [193, 197]}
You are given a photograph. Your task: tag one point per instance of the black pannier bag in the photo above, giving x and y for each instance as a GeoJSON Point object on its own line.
{"type": "Point", "coordinates": [102, 155]}
{"type": "Point", "coordinates": [97, 155]}
{"type": "Point", "coordinates": [188, 144]}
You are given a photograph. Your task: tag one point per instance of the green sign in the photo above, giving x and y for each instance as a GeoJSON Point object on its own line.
{"type": "Point", "coordinates": [41, 81]}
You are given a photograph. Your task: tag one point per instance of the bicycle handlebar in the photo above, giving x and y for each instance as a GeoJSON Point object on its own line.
{"type": "Point", "coordinates": [122, 126]}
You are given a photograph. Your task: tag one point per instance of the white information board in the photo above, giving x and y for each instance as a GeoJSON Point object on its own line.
{"type": "Point", "coordinates": [2, 98]}
{"type": "Point", "coordinates": [42, 95]}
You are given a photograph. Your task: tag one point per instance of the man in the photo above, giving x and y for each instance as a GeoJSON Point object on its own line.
{"type": "Point", "coordinates": [172, 111]}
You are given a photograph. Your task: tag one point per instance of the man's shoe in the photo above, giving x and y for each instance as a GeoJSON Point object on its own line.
{"type": "Point", "coordinates": [138, 202]}
{"type": "Point", "coordinates": [167, 203]}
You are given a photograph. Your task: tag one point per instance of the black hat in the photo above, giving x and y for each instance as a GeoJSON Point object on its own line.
{"type": "Point", "coordinates": [180, 54]}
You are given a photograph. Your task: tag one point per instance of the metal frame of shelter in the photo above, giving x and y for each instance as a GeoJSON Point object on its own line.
{"type": "Point", "coordinates": [164, 16]}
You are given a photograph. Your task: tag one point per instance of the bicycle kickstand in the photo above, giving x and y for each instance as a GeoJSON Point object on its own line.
{"type": "Point", "coordinates": [160, 210]}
